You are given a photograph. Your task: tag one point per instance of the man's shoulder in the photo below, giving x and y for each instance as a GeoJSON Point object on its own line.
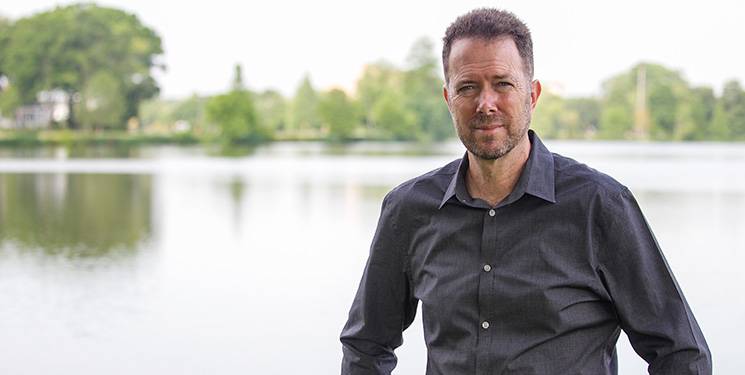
{"type": "Point", "coordinates": [428, 187]}
{"type": "Point", "coordinates": [572, 174]}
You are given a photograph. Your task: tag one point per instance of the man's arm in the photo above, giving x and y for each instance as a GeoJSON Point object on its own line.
{"type": "Point", "coordinates": [650, 305]}
{"type": "Point", "coordinates": [383, 306]}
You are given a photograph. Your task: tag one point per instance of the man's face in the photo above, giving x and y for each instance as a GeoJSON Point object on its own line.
{"type": "Point", "coordinates": [490, 97]}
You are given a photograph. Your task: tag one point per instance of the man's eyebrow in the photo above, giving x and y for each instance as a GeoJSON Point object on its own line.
{"type": "Point", "coordinates": [495, 76]}
{"type": "Point", "coordinates": [465, 80]}
{"type": "Point", "coordinates": [503, 76]}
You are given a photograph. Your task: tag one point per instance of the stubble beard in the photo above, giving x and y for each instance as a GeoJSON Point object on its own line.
{"type": "Point", "coordinates": [514, 135]}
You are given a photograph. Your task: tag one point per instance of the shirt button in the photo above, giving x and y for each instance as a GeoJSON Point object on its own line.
{"type": "Point", "coordinates": [487, 268]}
{"type": "Point", "coordinates": [492, 212]}
{"type": "Point", "coordinates": [485, 324]}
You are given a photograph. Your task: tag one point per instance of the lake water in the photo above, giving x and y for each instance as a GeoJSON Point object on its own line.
{"type": "Point", "coordinates": [166, 260]}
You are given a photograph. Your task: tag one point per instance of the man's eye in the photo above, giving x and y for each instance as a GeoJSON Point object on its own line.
{"type": "Point", "coordinates": [466, 88]}
{"type": "Point", "coordinates": [504, 84]}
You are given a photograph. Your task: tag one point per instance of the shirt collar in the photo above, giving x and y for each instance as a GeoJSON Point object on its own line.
{"type": "Point", "coordinates": [537, 178]}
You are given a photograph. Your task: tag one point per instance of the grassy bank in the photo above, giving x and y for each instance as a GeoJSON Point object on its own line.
{"type": "Point", "coordinates": [23, 138]}
{"type": "Point", "coordinates": [68, 137]}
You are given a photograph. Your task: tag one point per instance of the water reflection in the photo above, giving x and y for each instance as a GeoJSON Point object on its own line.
{"type": "Point", "coordinates": [237, 189]}
{"type": "Point", "coordinates": [73, 151]}
{"type": "Point", "coordinates": [229, 250]}
{"type": "Point", "coordinates": [75, 215]}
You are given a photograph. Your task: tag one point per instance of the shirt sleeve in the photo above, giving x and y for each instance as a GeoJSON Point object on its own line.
{"type": "Point", "coordinates": [650, 305]}
{"type": "Point", "coordinates": [383, 306]}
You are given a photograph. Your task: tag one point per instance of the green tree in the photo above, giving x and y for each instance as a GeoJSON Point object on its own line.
{"type": "Point", "coordinates": [5, 27]}
{"type": "Point", "coordinates": [422, 90]}
{"type": "Point", "coordinates": [66, 47]}
{"type": "Point", "coordinates": [338, 113]}
{"type": "Point", "coordinates": [554, 119]}
{"type": "Point", "coordinates": [588, 116]}
{"type": "Point", "coordinates": [616, 117]}
{"type": "Point", "coordinates": [393, 119]}
{"type": "Point", "coordinates": [695, 114]}
{"type": "Point", "coordinates": [235, 115]}
{"type": "Point", "coordinates": [303, 114]}
{"type": "Point", "coordinates": [271, 107]}
{"type": "Point", "coordinates": [376, 80]}
{"type": "Point", "coordinates": [191, 110]}
{"type": "Point", "coordinates": [663, 91]}
{"type": "Point", "coordinates": [615, 122]}
{"type": "Point", "coordinates": [663, 104]}
{"type": "Point", "coordinates": [157, 112]}
{"type": "Point", "coordinates": [9, 98]}
{"type": "Point", "coordinates": [9, 101]}
{"type": "Point", "coordinates": [102, 103]}
{"type": "Point", "coordinates": [729, 116]}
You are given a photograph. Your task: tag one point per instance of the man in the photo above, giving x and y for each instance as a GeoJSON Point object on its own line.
{"type": "Point", "coordinates": [525, 262]}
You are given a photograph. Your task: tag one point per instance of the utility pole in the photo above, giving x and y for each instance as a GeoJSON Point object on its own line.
{"type": "Point", "coordinates": [641, 114]}
{"type": "Point", "coordinates": [238, 84]}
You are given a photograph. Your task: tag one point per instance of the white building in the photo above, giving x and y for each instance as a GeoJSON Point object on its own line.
{"type": "Point", "coordinates": [51, 107]}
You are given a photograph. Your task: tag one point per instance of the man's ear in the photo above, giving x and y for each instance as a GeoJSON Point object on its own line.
{"type": "Point", "coordinates": [445, 94]}
{"type": "Point", "coordinates": [535, 92]}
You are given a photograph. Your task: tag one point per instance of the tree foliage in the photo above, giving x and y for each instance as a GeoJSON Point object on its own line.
{"type": "Point", "coordinates": [191, 110]}
{"type": "Point", "coordinates": [664, 114]}
{"type": "Point", "coordinates": [554, 118]}
{"type": "Point", "coordinates": [648, 101]}
{"type": "Point", "coordinates": [303, 114]}
{"type": "Point", "coordinates": [67, 47]}
{"type": "Point", "coordinates": [405, 104]}
{"type": "Point", "coordinates": [338, 113]}
{"type": "Point", "coordinates": [102, 104]}
{"type": "Point", "coordinates": [728, 121]}
{"type": "Point", "coordinates": [422, 87]}
{"type": "Point", "coordinates": [271, 108]}
{"type": "Point", "coordinates": [235, 115]}
{"type": "Point", "coordinates": [376, 80]}
{"type": "Point", "coordinates": [394, 119]}
{"type": "Point", "coordinates": [5, 26]}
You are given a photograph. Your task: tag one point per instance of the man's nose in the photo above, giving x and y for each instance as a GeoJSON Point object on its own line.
{"type": "Point", "coordinates": [487, 103]}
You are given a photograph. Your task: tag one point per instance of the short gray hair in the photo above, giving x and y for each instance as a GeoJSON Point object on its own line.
{"type": "Point", "coordinates": [489, 23]}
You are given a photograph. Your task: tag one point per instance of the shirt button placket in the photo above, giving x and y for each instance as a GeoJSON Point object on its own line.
{"type": "Point", "coordinates": [486, 291]}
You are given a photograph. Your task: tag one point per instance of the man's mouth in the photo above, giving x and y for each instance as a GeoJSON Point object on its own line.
{"type": "Point", "coordinates": [488, 126]}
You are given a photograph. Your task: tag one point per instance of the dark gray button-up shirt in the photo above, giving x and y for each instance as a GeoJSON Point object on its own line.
{"type": "Point", "coordinates": [540, 284]}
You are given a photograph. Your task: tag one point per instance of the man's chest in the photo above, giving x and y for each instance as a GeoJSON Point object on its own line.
{"type": "Point", "coordinates": [531, 270]}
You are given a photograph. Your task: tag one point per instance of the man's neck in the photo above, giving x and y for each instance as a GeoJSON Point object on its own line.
{"type": "Point", "coordinates": [493, 180]}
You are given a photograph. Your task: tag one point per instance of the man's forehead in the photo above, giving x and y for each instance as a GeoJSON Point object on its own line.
{"type": "Point", "coordinates": [469, 44]}
{"type": "Point", "coordinates": [476, 51]}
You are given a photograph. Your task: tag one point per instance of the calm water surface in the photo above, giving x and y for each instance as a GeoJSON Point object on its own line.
{"type": "Point", "coordinates": [174, 260]}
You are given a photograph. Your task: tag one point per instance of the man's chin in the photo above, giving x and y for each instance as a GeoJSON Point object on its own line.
{"type": "Point", "coordinates": [493, 150]}
{"type": "Point", "coordinates": [490, 153]}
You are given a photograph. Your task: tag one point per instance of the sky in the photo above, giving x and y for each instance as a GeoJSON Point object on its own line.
{"type": "Point", "coordinates": [577, 44]}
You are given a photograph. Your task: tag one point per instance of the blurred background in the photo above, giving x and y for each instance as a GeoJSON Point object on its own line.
{"type": "Point", "coordinates": [192, 188]}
